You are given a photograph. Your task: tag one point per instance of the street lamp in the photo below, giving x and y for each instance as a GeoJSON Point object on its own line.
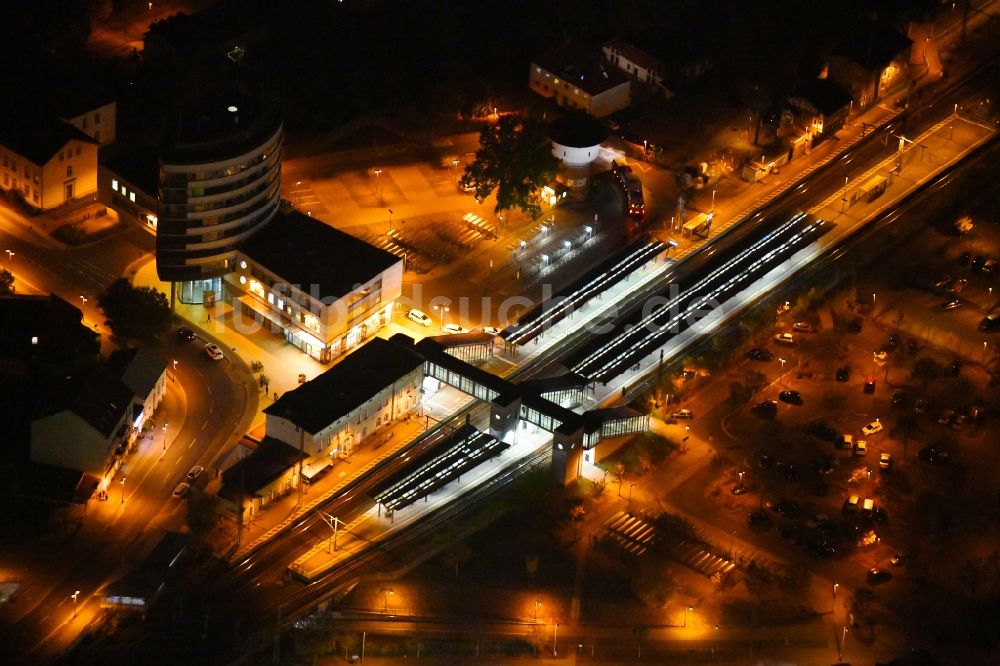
{"type": "Point", "coordinates": [165, 434]}
{"type": "Point", "coordinates": [781, 379]}
{"type": "Point", "coordinates": [843, 205]}
{"type": "Point", "coordinates": [555, 632]}
{"type": "Point", "coordinates": [123, 491]}
{"type": "Point", "coordinates": [686, 610]}
{"type": "Point", "coordinates": [83, 308]}
{"type": "Point", "coordinates": [713, 201]}
{"type": "Point", "coordinates": [386, 591]}
{"type": "Point", "coordinates": [441, 310]}
{"type": "Point", "coordinates": [74, 596]}
{"type": "Point", "coordinates": [537, 604]}
{"type": "Point", "coordinates": [10, 260]}
{"type": "Point", "coordinates": [390, 220]}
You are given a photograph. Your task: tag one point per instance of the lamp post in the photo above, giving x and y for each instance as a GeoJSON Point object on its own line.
{"type": "Point", "coordinates": [123, 491]}
{"type": "Point", "coordinates": [378, 184]}
{"type": "Point", "coordinates": [333, 522]}
{"type": "Point", "coordinates": [951, 132]}
{"type": "Point", "coordinates": [83, 308]}
{"type": "Point", "coordinates": [555, 633]}
{"type": "Point", "coordinates": [441, 310]}
{"type": "Point", "coordinates": [781, 379]}
{"type": "Point", "coordinates": [833, 600]}
{"type": "Point", "coordinates": [74, 597]}
{"type": "Point", "coordinates": [713, 201]}
{"type": "Point", "coordinates": [10, 260]}
{"type": "Point", "coordinates": [386, 591]}
{"type": "Point", "coordinates": [631, 485]}
{"type": "Point", "coordinates": [537, 604]}
{"type": "Point", "coordinates": [843, 200]}
{"type": "Point", "coordinates": [165, 435]}
{"type": "Point", "coordinates": [686, 609]}
{"type": "Point", "coordinates": [390, 220]}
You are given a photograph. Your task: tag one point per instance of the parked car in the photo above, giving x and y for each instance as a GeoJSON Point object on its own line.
{"type": "Point", "coordinates": [181, 489]}
{"type": "Point", "coordinates": [951, 305]}
{"type": "Point", "coordinates": [990, 322]}
{"type": "Point", "coordinates": [214, 352]}
{"type": "Point", "coordinates": [885, 461]}
{"type": "Point", "coordinates": [802, 327]}
{"type": "Point", "coordinates": [791, 397]}
{"type": "Point", "coordinates": [759, 354]}
{"type": "Point", "coordinates": [989, 266]}
{"type": "Point", "coordinates": [195, 472]}
{"type": "Point", "coordinates": [872, 428]}
{"type": "Point", "coordinates": [453, 329]}
{"type": "Point", "coordinates": [758, 519]}
{"type": "Point", "coordinates": [898, 397]}
{"type": "Point", "coordinates": [933, 454]}
{"type": "Point", "coordinates": [419, 317]}
{"type": "Point", "coordinates": [738, 489]}
{"type": "Point", "coordinates": [945, 417]}
{"type": "Point", "coordinates": [898, 560]}
{"type": "Point", "coordinates": [940, 281]}
{"type": "Point", "coordinates": [766, 408]}
{"type": "Point", "coordinates": [878, 576]}
{"type": "Point", "coordinates": [491, 330]}
{"type": "Point", "coordinates": [784, 339]}
{"type": "Point", "coordinates": [958, 423]}
{"type": "Point", "coordinates": [869, 386]}
{"type": "Point", "coordinates": [185, 334]}
{"type": "Point", "coordinates": [861, 448]}
{"type": "Point", "coordinates": [787, 507]}
{"type": "Point", "coordinates": [683, 414]}
{"type": "Point", "coordinates": [822, 430]}
{"type": "Point", "coordinates": [844, 373]}
{"type": "Point", "coordinates": [920, 406]}
{"type": "Point", "coordinates": [845, 442]}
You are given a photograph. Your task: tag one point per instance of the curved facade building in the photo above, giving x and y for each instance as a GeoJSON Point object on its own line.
{"type": "Point", "coordinates": [219, 182]}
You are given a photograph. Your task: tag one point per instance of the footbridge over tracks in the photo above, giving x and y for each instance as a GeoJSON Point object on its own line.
{"type": "Point", "coordinates": [518, 405]}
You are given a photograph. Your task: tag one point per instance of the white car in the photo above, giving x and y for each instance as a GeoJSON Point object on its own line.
{"type": "Point", "coordinates": [784, 339]}
{"type": "Point", "coordinates": [861, 448]}
{"type": "Point", "coordinates": [214, 352]}
{"type": "Point", "coordinates": [419, 317]}
{"type": "Point", "coordinates": [451, 329]}
{"type": "Point", "coordinates": [872, 428]}
{"type": "Point", "coordinates": [195, 472]}
{"type": "Point", "coordinates": [182, 489]}
{"type": "Point", "coordinates": [885, 461]}
{"type": "Point", "coordinates": [491, 330]}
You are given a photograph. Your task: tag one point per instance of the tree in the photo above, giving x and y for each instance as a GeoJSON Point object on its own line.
{"type": "Point", "coordinates": [202, 514]}
{"type": "Point", "coordinates": [926, 370]}
{"type": "Point", "coordinates": [515, 160]}
{"type": "Point", "coordinates": [135, 312]}
{"type": "Point", "coordinates": [6, 282]}
{"type": "Point", "coordinates": [905, 428]}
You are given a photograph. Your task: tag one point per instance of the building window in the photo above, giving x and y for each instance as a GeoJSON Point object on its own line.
{"type": "Point", "coordinates": [78, 150]}
{"type": "Point", "coordinates": [69, 171]}
{"type": "Point", "coordinates": [131, 197]}
{"type": "Point", "coordinates": [114, 184]}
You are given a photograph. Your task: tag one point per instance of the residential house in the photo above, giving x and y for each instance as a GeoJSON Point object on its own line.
{"type": "Point", "coordinates": [145, 374]}
{"type": "Point", "coordinates": [819, 109]}
{"type": "Point", "coordinates": [636, 63]}
{"type": "Point", "coordinates": [96, 119]}
{"type": "Point", "coordinates": [268, 473]}
{"type": "Point", "coordinates": [92, 431]}
{"type": "Point", "coordinates": [580, 79]}
{"type": "Point", "coordinates": [874, 58]}
{"type": "Point", "coordinates": [47, 161]}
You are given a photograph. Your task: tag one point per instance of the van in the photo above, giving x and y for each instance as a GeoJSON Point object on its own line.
{"type": "Point", "coordinates": [419, 317]}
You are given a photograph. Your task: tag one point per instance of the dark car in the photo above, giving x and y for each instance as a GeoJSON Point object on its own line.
{"type": "Point", "coordinates": [759, 354]}
{"type": "Point", "coordinates": [791, 397]}
{"type": "Point", "coordinates": [766, 409]}
{"type": "Point", "coordinates": [787, 507]}
{"type": "Point", "coordinates": [878, 576]}
{"type": "Point", "coordinates": [955, 368]}
{"type": "Point", "coordinates": [822, 430]}
{"type": "Point", "coordinates": [826, 464]}
{"type": "Point", "coordinates": [898, 398]}
{"type": "Point", "coordinates": [933, 454]}
{"type": "Point", "coordinates": [185, 334]}
{"type": "Point", "coordinates": [894, 340]}
{"type": "Point", "coordinates": [953, 304]}
{"type": "Point", "coordinates": [844, 373]}
{"type": "Point", "coordinates": [758, 519]}
{"type": "Point", "coordinates": [964, 259]}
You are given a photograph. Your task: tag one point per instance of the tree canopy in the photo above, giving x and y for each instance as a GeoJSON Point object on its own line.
{"type": "Point", "coordinates": [514, 158]}
{"type": "Point", "coordinates": [134, 312]}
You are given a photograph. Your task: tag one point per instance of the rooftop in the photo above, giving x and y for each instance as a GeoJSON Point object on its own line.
{"type": "Point", "coordinates": [825, 95]}
{"type": "Point", "coordinates": [38, 138]}
{"type": "Point", "coordinates": [102, 400]}
{"type": "Point", "coordinates": [271, 459]}
{"type": "Point", "coordinates": [138, 368]}
{"type": "Point", "coordinates": [578, 130]}
{"type": "Point", "coordinates": [363, 373]}
{"type": "Point", "coordinates": [140, 167]}
{"type": "Point", "coordinates": [873, 44]}
{"type": "Point", "coordinates": [305, 251]}
{"type": "Point", "coordinates": [587, 70]}
{"type": "Point", "coordinates": [44, 327]}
